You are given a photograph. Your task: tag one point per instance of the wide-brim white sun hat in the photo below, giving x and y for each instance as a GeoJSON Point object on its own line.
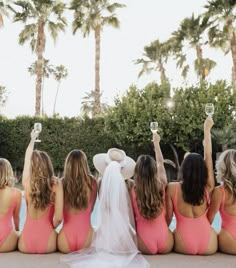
{"type": "Point", "coordinates": [101, 161]}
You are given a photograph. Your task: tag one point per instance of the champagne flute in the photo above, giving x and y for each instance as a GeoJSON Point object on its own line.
{"type": "Point", "coordinates": [154, 127]}
{"type": "Point", "coordinates": [37, 129]}
{"type": "Point", "coordinates": [209, 109]}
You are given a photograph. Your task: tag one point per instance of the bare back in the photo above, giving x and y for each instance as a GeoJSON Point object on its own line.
{"type": "Point", "coordinates": [229, 204]}
{"type": "Point", "coordinates": [6, 198]}
{"type": "Point", "coordinates": [33, 213]}
{"type": "Point", "coordinates": [186, 209]}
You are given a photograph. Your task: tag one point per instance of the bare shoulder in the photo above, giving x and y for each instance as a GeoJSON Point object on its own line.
{"type": "Point", "coordinates": [170, 190]}
{"type": "Point", "coordinates": [172, 185]}
{"type": "Point", "coordinates": [217, 190]}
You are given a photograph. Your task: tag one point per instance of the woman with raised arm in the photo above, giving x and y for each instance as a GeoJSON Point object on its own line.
{"type": "Point", "coordinates": [44, 201]}
{"type": "Point", "coordinates": [224, 200]}
{"type": "Point", "coordinates": [80, 192]}
{"type": "Point", "coordinates": [148, 199]}
{"type": "Point", "coordinates": [10, 200]}
{"type": "Point", "coordinates": [189, 199]}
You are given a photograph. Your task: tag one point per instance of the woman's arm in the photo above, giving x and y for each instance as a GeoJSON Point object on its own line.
{"type": "Point", "coordinates": [159, 159]}
{"type": "Point", "coordinates": [59, 201]}
{"type": "Point", "coordinates": [16, 213]}
{"type": "Point", "coordinates": [208, 153]}
{"type": "Point", "coordinates": [216, 199]}
{"type": "Point", "coordinates": [169, 205]}
{"type": "Point", "coordinates": [28, 154]}
{"type": "Point", "coordinates": [215, 204]}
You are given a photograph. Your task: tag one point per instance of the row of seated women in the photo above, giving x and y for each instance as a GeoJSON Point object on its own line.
{"type": "Point", "coordinates": [193, 199]}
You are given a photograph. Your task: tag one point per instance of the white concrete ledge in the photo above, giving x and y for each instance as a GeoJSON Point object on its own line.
{"type": "Point", "coordinates": [172, 260]}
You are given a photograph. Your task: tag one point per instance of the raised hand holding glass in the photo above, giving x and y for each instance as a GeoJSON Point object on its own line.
{"type": "Point", "coordinates": [154, 127]}
{"type": "Point", "coordinates": [37, 129]}
{"type": "Point", "coordinates": [209, 109]}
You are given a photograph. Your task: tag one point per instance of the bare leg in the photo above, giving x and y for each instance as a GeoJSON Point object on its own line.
{"type": "Point", "coordinates": [142, 247]}
{"type": "Point", "coordinates": [52, 242]}
{"type": "Point", "coordinates": [213, 244]}
{"type": "Point", "coordinates": [21, 245]}
{"type": "Point", "coordinates": [88, 239]}
{"type": "Point", "coordinates": [179, 243]}
{"type": "Point", "coordinates": [62, 243]}
{"type": "Point", "coordinates": [169, 243]}
{"type": "Point", "coordinates": [227, 243]}
{"type": "Point", "coordinates": [10, 244]}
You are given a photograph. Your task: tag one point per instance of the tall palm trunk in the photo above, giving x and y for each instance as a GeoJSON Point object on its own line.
{"type": "Point", "coordinates": [201, 66]}
{"type": "Point", "coordinates": [55, 101]}
{"type": "Point", "coordinates": [97, 104]}
{"type": "Point", "coordinates": [43, 79]}
{"type": "Point", "coordinates": [163, 74]}
{"type": "Point", "coordinates": [39, 65]}
{"type": "Point", "coordinates": [233, 52]}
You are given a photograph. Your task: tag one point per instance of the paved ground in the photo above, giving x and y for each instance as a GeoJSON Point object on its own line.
{"type": "Point", "coordinates": [173, 260]}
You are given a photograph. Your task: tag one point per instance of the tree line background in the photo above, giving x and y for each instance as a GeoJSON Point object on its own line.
{"type": "Point", "coordinates": [214, 28]}
{"type": "Point", "coordinates": [126, 125]}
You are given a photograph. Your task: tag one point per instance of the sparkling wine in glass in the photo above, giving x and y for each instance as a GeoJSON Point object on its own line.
{"type": "Point", "coordinates": [154, 127]}
{"type": "Point", "coordinates": [37, 129]}
{"type": "Point", "coordinates": [209, 109]}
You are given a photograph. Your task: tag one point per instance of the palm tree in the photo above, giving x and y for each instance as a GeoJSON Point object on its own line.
{"type": "Point", "coordinates": [175, 47]}
{"type": "Point", "coordinates": [37, 14]}
{"type": "Point", "coordinates": [47, 71]}
{"type": "Point", "coordinates": [155, 57]}
{"type": "Point", "coordinates": [59, 73]}
{"type": "Point", "coordinates": [222, 31]}
{"type": "Point", "coordinates": [88, 104]}
{"type": "Point", "coordinates": [192, 30]}
{"type": "Point", "coordinates": [94, 15]}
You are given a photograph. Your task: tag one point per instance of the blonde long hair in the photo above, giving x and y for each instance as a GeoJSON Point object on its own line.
{"type": "Point", "coordinates": [148, 187]}
{"type": "Point", "coordinates": [226, 170]}
{"type": "Point", "coordinates": [41, 180]}
{"type": "Point", "coordinates": [6, 174]}
{"type": "Point", "coordinates": [77, 180]}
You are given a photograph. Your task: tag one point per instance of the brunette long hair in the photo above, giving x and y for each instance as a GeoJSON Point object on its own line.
{"type": "Point", "coordinates": [77, 182]}
{"type": "Point", "coordinates": [148, 187]}
{"type": "Point", "coordinates": [41, 180]}
{"type": "Point", "coordinates": [193, 174]}
{"type": "Point", "coordinates": [226, 171]}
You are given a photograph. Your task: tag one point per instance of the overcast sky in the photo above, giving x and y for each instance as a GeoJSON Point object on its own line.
{"type": "Point", "coordinates": [142, 21]}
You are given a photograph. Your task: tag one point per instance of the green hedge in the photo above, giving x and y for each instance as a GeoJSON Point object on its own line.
{"type": "Point", "coordinates": [126, 125]}
{"type": "Point", "coordinates": [58, 137]}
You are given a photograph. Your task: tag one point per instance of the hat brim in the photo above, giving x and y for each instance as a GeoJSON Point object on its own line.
{"type": "Point", "coordinates": [99, 161]}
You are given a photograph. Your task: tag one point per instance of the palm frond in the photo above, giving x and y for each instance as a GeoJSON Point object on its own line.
{"type": "Point", "coordinates": [111, 8]}
{"type": "Point", "coordinates": [28, 33]}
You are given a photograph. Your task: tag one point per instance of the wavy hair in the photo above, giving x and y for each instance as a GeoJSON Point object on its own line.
{"type": "Point", "coordinates": [41, 180]}
{"type": "Point", "coordinates": [148, 187]}
{"type": "Point", "coordinates": [77, 182]}
{"type": "Point", "coordinates": [6, 174]}
{"type": "Point", "coordinates": [226, 171]}
{"type": "Point", "coordinates": [194, 175]}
